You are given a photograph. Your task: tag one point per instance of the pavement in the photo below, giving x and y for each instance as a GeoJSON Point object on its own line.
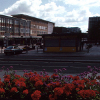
{"type": "Point", "coordinates": [94, 51]}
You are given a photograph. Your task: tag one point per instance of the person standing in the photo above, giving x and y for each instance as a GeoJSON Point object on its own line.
{"type": "Point", "coordinates": [82, 44]}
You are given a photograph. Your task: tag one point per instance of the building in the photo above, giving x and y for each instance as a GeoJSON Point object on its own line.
{"type": "Point", "coordinates": [61, 42]}
{"type": "Point", "coordinates": [64, 30]}
{"type": "Point", "coordinates": [23, 29]}
{"type": "Point", "coordinates": [13, 29]}
{"type": "Point", "coordinates": [94, 28]}
{"type": "Point", "coordinates": [38, 26]}
{"type": "Point", "coordinates": [14, 26]}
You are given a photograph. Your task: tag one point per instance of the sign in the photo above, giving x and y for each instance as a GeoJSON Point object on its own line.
{"type": "Point", "coordinates": [6, 34]}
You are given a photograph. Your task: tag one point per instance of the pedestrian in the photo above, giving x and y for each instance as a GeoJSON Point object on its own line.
{"type": "Point", "coordinates": [82, 44]}
{"type": "Point", "coordinates": [37, 48]}
{"type": "Point", "coordinates": [26, 49]}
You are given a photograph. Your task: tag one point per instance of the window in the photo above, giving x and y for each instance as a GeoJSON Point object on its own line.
{"type": "Point", "coordinates": [7, 21]}
{"type": "Point", "coordinates": [21, 30]}
{"type": "Point", "coordinates": [0, 19]}
{"type": "Point", "coordinates": [28, 23]}
{"type": "Point", "coordinates": [16, 30]}
{"type": "Point", "coordinates": [10, 21]}
{"type": "Point", "coordinates": [34, 26]}
{"type": "Point", "coordinates": [4, 20]}
{"type": "Point", "coordinates": [39, 27]}
{"type": "Point", "coordinates": [16, 22]}
{"type": "Point", "coordinates": [28, 30]}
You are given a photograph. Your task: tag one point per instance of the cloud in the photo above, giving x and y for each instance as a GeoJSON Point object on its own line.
{"type": "Point", "coordinates": [23, 7]}
{"type": "Point", "coordinates": [79, 2]}
{"type": "Point", "coordinates": [74, 14]}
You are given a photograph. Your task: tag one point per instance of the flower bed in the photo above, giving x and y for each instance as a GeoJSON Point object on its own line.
{"type": "Point", "coordinates": [41, 86]}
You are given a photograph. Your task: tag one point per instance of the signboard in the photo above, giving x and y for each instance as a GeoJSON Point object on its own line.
{"type": "Point", "coordinates": [6, 34]}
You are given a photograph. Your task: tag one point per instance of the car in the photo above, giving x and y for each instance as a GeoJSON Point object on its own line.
{"type": "Point", "coordinates": [13, 50]}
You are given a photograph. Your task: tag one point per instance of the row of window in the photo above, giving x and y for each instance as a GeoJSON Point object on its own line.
{"type": "Point", "coordinates": [16, 22]}
{"type": "Point", "coordinates": [94, 19]}
{"type": "Point", "coordinates": [22, 30]}
{"type": "Point", "coordinates": [39, 32]}
{"type": "Point", "coordinates": [16, 29]}
{"type": "Point", "coordinates": [39, 27]}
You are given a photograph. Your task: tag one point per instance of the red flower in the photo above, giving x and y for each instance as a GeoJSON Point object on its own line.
{"type": "Point", "coordinates": [54, 76]}
{"type": "Point", "coordinates": [36, 79]}
{"type": "Point", "coordinates": [50, 97]}
{"type": "Point", "coordinates": [22, 79]}
{"type": "Point", "coordinates": [7, 76]}
{"type": "Point", "coordinates": [87, 93]}
{"type": "Point", "coordinates": [77, 89]}
{"type": "Point", "coordinates": [68, 88]}
{"type": "Point", "coordinates": [86, 80]}
{"type": "Point", "coordinates": [38, 83]}
{"type": "Point", "coordinates": [17, 76]}
{"type": "Point", "coordinates": [76, 78]}
{"type": "Point", "coordinates": [25, 91]}
{"type": "Point", "coordinates": [54, 84]}
{"type": "Point", "coordinates": [58, 91]}
{"type": "Point", "coordinates": [1, 84]}
{"type": "Point", "coordinates": [80, 86]}
{"type": "Point", "coordinates": [46, 77]}
{"type": "Point", "coordinates": [36, 95]}
{"type": "Point", "coordinates": [6, 80]}
{"type": "Point", "coordinates": [2, 90]}
{"type": "Point", "coordinates": [98, 77]}
{"type": "Point", "coordinates": [14, 80]}
{"type": "Point", "coordinates": [20, 84]}
{"type": "Point", "coordinates": [14, 89]}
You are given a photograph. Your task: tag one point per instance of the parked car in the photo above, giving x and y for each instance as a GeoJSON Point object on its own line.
{"type": "Point", "coordinates": [13, 50]}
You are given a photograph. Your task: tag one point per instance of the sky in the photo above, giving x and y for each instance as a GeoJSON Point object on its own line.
{"type": "Point", "coordinates": [64, 13]}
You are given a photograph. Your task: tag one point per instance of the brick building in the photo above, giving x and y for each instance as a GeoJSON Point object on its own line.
{"type": "Point", "coordinates": [38, 26]}
{"type": "Point", "coordinates": [23, 29]}
{"type": "Point", "coordinates": [14, 26]}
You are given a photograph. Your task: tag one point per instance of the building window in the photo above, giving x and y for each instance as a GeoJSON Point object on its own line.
{"type": "Point", "coordinates": [10, 21]}
{"type": "Point", "coordinates": [16, 22]}
{"type": "Point", "coordinates": [34, 26]}
{"type": "Point", "coordinates": [21, 30]}
{"type": "Point", "coordinates": [28, 30]}
{"type": "Point", "coordinates": [45, 27]}
{"type": "Point", "coordinates": [4, 20]}
{"type": "Point", "coordinates": [16, 30]}
{"type": "Point", "coordinates": [39, 27]}
{"type": "Point", "coordinates": [0, 19]}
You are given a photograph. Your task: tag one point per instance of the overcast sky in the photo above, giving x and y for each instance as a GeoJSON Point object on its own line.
{"type": "Point", "coordinates": [66, 13]}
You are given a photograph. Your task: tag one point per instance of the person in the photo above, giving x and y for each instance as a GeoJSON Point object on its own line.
{"type": "Point", "coordinates": [82, 44]}
{"type": "Point", "coordinates": [26, 49]}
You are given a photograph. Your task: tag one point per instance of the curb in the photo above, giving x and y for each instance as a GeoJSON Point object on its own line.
{"type": "Point", "coordinates": [82, 61]}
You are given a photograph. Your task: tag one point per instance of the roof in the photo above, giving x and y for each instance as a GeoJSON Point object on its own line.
{"type": "Point", "coordinates": [29, 17]}
{"type": "Point", "coordinates": [11, 17]}
{"type": "Point", "coordinates": [71, 34]}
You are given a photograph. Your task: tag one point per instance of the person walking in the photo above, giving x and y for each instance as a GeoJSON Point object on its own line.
{"type": "Point", "coordinates": [26, 49]}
